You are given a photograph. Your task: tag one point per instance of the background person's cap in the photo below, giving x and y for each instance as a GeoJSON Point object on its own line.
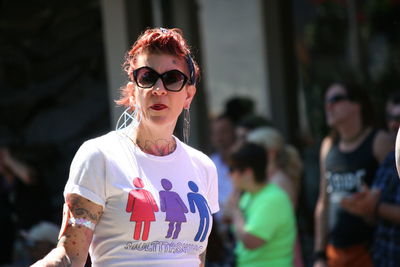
{"type": "Point", "coordinates": [43, 231]}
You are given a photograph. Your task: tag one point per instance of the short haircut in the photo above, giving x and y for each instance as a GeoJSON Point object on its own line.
{"type": "Point", "coordinates": [239, 107]}
{"type": "Point", "coordinates": [253, 121]}
{"type": "Point", "coordinates": [253, 156]}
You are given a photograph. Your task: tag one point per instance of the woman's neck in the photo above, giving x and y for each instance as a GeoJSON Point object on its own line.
{"type": "Point", "coordinates": [276, 175]}
{"type": "Point", "coordinates": [272, 169]}
{"type": "Point", "coordinates": [154, 142]}
{"type": "Point", "coordinates": [351, 131]}
{"type": "Point", "coordinates": [353, 136]}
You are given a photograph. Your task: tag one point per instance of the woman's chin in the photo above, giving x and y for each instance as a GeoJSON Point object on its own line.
{"type": "Point", "coordinates": [160, 120]}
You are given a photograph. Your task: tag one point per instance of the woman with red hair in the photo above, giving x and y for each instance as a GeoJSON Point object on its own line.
{"type": "Point", "coordinates": [99, 205]}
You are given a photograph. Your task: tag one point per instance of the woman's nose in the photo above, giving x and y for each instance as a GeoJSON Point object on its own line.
{"type": "Point", "coordinates": [158, 88]}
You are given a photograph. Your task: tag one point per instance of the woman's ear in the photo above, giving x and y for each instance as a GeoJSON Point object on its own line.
{"type": "Point", "coordinates": [190, 92]}
{"type": "Point", "coordinates": [131, 101]}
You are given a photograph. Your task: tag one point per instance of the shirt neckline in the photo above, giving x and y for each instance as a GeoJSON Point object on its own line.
{"type": "Point", "coordinates": [136, 150]}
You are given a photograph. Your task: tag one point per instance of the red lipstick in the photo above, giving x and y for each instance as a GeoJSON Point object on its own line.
{"type": "Point", "coordinates": [158, 106]}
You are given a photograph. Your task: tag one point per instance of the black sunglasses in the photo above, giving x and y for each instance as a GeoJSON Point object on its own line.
{"type": "Point", "coordinates": [336, 98]}
{"type": "Point", "coordinates": [173, 80]}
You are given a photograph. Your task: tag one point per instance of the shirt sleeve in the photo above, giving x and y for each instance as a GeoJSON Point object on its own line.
{"type": "Point", "coordinates": [212, 197]}
{"type": "Point", "coordinates": [87, 174]}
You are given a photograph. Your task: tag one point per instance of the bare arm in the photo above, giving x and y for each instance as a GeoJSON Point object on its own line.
{"type": "Point", "coordinates": [73, 246]}
{"type": "Point", "coordinates": [367, 205]}
{"type": "Point", "coordinates": [321, 220]}
{"type": "Point", "coordinates": [389, 212]}
{"type": "Point", "coordinates": [203, 258]}
{"type": "Point", "coordinates": [235, 217]}
{"type": "Point", "coordinates": [249, 240]}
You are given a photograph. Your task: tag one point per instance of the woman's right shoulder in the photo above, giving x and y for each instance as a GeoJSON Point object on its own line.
{"type": "Point", "coordinates": [102, 142]}
{"type": "Point", "coordinates": [98, 146]}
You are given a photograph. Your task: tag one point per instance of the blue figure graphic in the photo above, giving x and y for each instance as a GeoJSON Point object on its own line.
{"type": "Point", "coordinates": [197, 200]}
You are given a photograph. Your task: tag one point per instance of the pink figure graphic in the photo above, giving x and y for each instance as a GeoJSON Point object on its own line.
{"type": "Point", "coordinates": [142, 206]}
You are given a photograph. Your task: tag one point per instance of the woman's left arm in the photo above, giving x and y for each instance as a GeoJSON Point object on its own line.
{"type": "Point", "coordinates": [249, 240]}
{"type": "Point", "coordinates": [79, 219]}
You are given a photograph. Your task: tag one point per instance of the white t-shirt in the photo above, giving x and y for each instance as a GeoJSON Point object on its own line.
{"type": "Point", "coordinates": [157, 209]}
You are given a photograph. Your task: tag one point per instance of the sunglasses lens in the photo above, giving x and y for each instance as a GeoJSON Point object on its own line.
{"type": "Point", "coordinates": [173, 80]}
{"type": "Point", "coordinates": [145, 77]}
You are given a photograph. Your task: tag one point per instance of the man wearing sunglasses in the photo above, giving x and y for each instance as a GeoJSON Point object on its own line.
{"type": "Point", "coordinates": [381, 203]}
{"type": "Point", "coordinates": [349, 157]}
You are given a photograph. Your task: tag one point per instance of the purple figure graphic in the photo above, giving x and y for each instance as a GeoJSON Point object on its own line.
{"type": "Point", "coordinates": [174, 208]}
{"type": "Point", "coordinates": [197, 200]}
{"type": "Point", "coordinates": [142, 206]}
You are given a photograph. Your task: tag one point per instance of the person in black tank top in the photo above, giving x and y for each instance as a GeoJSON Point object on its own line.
{"type": "Point", "coordinates": [349, 157]}
{"type": "Point", "coordinates": [346, 172]}
{"type": "Point", "coordinates": [380, 202]}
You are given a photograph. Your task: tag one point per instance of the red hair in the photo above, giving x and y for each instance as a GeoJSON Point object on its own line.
{"type": "Point", "coordinates": [157, 40]}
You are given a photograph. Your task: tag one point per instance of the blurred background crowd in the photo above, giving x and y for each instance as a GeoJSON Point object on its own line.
{"type": "Point", "coordinates": [274, 73]}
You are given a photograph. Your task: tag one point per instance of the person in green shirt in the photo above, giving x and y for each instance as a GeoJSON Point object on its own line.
{"type": "Point", "coordinates": [261, 213]}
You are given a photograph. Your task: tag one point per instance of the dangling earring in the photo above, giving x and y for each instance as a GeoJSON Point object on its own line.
{"type": "Point", "coordinates": [186, 125]}
{"type": "Point", "coordinates": [129, 119]}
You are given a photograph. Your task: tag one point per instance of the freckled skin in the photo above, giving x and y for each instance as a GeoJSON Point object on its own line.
{"type": "Point", "coordinates": [77, 238]}
{"type": "Point", "coordinates": [202, 258]}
